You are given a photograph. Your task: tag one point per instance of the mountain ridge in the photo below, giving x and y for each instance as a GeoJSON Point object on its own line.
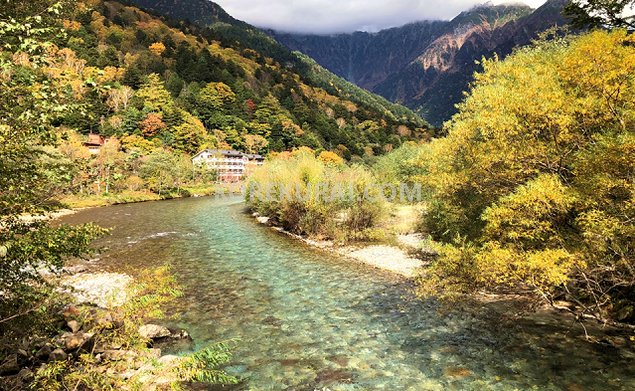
{"type": "Point", "coordinates": [427, 65]}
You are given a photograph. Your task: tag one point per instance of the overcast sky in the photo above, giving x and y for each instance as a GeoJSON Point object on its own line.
{"type": "Point", "coordinates": [333, 16]}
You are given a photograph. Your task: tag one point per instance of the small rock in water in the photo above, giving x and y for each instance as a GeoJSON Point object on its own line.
{"type": "Point", "coordinates": [263, 219]}
{"type": "Point", "coordinates": [272, 321]}
{"type": "Point", "coordinates": [342, 361]}
{"type": "Point", "coordinates": [153, 331]}
{"type": "Point", "coordinates": [180, 334]}
{"type": "Point", "coordinates": [458, 372]}
{"type": "Point", "coordinates": [329, 376]}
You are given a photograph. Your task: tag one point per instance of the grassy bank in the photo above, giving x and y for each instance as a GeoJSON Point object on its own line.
{"type": "Point", "coordinates": [78, 201]}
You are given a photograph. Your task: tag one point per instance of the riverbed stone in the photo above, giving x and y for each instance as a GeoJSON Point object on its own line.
{"type": "Point", "coordinates": [58, 355]}
{"type": "Point", "coordinates": [153, 331]}
{"type": "Point", "coordinates": [10, 365]}
{"type": "Point", "coordinates": [73, 325]}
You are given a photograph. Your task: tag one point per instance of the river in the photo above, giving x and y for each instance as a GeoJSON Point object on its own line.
{"type": "Point", "coordinates": [307, 320]}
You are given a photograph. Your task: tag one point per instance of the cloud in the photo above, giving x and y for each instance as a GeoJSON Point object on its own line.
{"type": "Point", "coordinates": [335, 16]}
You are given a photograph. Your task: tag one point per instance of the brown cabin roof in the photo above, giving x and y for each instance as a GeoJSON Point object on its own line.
{"type": "Point", "coordinates": [94, 140]}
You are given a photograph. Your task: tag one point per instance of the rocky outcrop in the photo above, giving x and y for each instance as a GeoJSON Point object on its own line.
{"type": "Point", "coordinates": [153, 331]}
{"type": "Point", "coordinates": [87, 328]}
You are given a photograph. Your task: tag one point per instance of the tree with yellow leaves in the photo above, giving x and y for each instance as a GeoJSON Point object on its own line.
{"type": "Point", "coordinates": [534, 185]}
{"type": "Point", "coordinates": [328, 157]}
{"type": "Point", "coordinates": [157, 48]}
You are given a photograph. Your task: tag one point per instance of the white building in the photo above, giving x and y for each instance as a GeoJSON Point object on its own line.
{"type": "Point", "coordinates": [230, 165]}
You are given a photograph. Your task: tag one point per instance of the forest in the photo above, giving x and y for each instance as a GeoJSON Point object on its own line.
{"type": "Point", "coordinates": [161, 91]}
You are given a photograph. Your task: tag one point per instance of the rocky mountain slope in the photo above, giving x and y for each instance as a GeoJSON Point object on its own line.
{"type": "Point", "coordinates": [428, 65]}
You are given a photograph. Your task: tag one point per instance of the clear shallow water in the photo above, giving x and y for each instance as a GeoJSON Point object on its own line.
{"type": "Point", "coordinates": [307, 320]}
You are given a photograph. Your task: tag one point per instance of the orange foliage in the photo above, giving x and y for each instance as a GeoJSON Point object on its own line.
{"type": "Point", "coordinates": [157, 48]}
{"type": "Point", "coordinates": [152, 124]}
{"type": "Point", "coordinates": [328, 157]}
{"type": "Point", "coordinates": [71, 25]}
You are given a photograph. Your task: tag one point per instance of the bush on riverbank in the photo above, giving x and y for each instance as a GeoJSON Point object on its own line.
{"type": "Point", "coordinates": [534, 185]}
{"type": "Point", "coordinates": [316, 196]}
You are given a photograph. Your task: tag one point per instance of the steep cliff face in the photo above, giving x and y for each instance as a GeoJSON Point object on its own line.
{"type": "Point", "coordinates": [428, 65]}
{"type": "Point", "coordinates": [363, 58]}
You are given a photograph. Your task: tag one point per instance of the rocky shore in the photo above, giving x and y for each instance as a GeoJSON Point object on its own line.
{"type": "Point", "coordinates": [404, 260]}
{"type": "Point", "coordinates": [95, 337]}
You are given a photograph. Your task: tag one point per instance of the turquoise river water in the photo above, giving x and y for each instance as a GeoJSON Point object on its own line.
{"type": "Point", "coordinates": [307, 320]}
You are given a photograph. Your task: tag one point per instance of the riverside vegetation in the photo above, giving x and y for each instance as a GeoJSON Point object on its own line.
{"type": "Point", "coordinates": [159, 91]}
{"type": "Point", "coordinates": [531, 191]}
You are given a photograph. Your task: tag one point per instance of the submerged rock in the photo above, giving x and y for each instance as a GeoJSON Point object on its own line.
{"type": "Point", "coordinates": [457, 372]}
{"type": "Point", "coordinates": [329, 376]}
{"type": "Point", "coordinates": [342, 361]}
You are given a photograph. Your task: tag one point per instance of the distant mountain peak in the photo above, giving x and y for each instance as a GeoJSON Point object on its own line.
{"type": "Point", "coordinates": [428, 65]}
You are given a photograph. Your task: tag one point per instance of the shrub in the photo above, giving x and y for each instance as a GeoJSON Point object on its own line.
{"type": "Point", "coordinates": [308, 196]}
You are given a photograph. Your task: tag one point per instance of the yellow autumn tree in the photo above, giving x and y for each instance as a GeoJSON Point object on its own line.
{"type": "Point", "coordinates": [157, 48]}
{"type": "Point", "coordinates": [533, 186]}
{"type": "Point", "coordinates": [328, 157]}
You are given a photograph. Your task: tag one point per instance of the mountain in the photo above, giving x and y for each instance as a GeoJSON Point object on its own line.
{"type": "Point", "coordinates": [428, 65]}
{"type": "Point", "coordinates": [204, 13]}
{"type": "Point", "coordinates": [249, 91]}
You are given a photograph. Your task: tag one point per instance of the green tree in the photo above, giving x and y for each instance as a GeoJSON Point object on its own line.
{"type": "Point", "coordinates": [165, 171]}
{"type": "Point", "coordinates": [154, 95]}
{"type": "Point", "coordinates": [601, 13]}
{"type": "Point", "coordinates": [190, 136]}
{"type": "Point", "coordinates": [29, 103]}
